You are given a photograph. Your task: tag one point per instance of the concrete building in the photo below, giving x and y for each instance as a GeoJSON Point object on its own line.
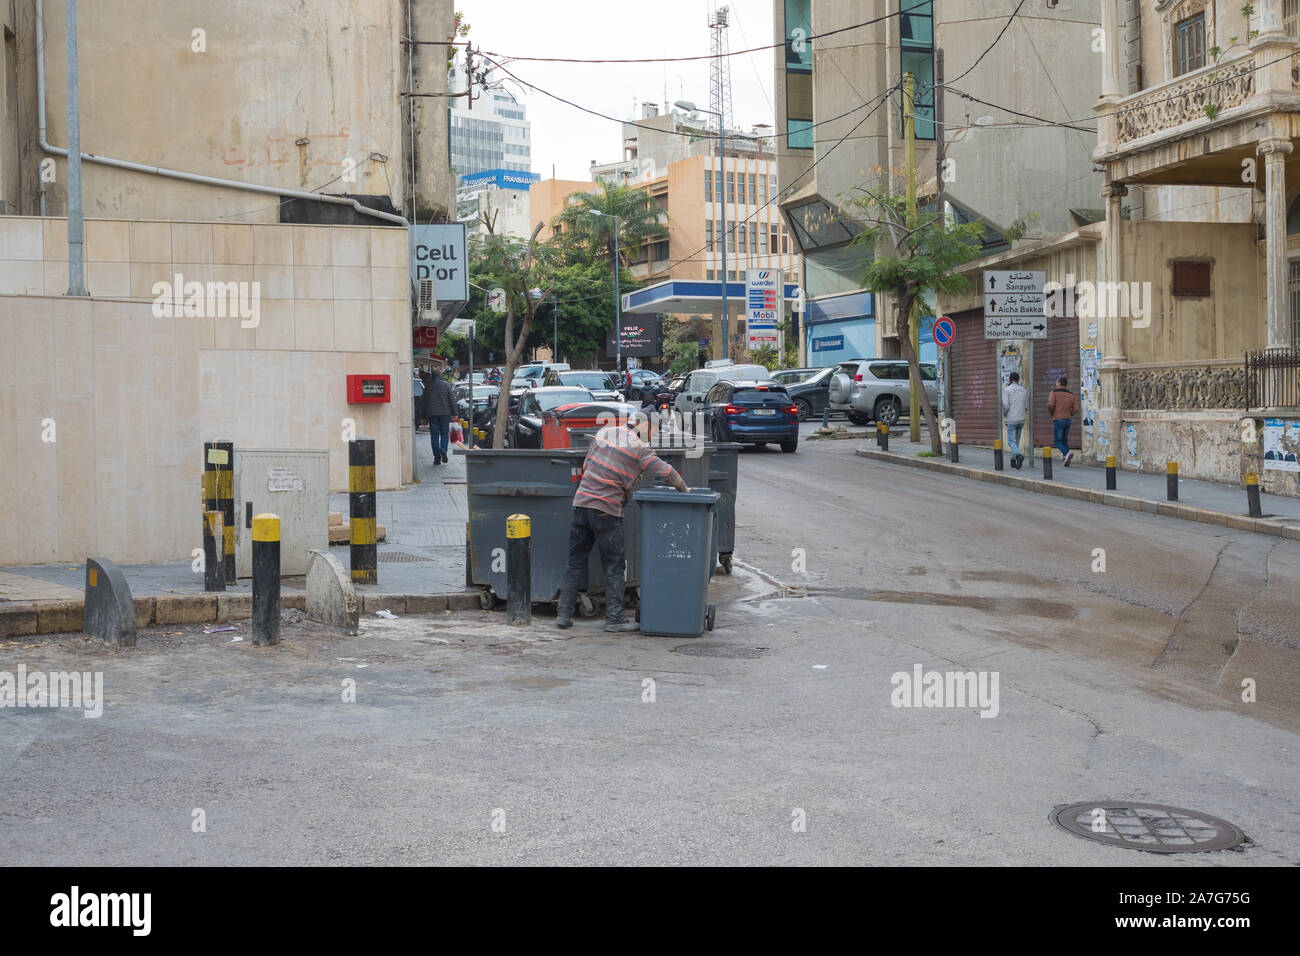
{"type": "Point", "coordinates": [279, 175]}
{"type": "Point", "coordinates": [489, 130]}
{"type": "Point", "coordinates": [496, 200]}
{"type": "Point", "coordinates": [839, 126]}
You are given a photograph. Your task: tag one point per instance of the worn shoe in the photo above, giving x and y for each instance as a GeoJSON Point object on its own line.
{"type": "Point", "coordinates": [563, 621]}
{"type": "Point", "coordinates": [1068, 458]}
{"type": "Point", "coordinates": [622, 627]}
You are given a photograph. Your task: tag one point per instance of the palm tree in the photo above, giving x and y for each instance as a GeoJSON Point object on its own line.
{"type": "Point", "coordinates": [588, 237]}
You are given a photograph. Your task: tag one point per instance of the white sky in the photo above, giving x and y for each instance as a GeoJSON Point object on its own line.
{"type": "Point", "coordinates": [570, 139]}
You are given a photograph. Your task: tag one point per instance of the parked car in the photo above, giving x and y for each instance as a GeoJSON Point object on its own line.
{"type": "Point", "coordinates": [600, 384]}
{"type": "Point", "coordinates": [793, 376]}
{"type": "Point", "coordinates": [484, 395]}
{"type": "Point", "coordinates": [525, 428]}
{"type": "Point", "coordinates": [812, 394]}
{"type": "Point", "coordinates": [691, 398]}
{"type": "Point", "coordinates": [877, 389]}
{"type": "Point", "coordinates": [753, 412]}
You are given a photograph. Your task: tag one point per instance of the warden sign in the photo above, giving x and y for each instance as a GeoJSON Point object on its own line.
{"type": "Point", "coordinates": [1014, 305]}
{"type": "Point", "coordinates": [763, 307]}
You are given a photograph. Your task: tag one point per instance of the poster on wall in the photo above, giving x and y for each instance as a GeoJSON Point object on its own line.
{"type": "Point", "coordinates": [1131, 445]}
{"type": "Point", "coordinates": [1281, 445]}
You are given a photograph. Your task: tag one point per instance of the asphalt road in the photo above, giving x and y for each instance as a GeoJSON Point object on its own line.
{"type": "Point", "coordinates": [470, 742]}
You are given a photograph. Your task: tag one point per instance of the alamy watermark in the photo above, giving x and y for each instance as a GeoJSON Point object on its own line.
{"type": "Point", "coordinates": [922, 688]}
{"type": "Point", "coordinates": [1098, 300]}
{"type": "Point", "coordinates": [211, 300]}
{"type": "Point", "coordinates": [74, 689]}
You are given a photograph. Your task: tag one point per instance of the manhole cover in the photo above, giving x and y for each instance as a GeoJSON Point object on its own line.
{"type": "Point", "coordinates": [386, 557]}
{"type": "Point", "coordinates": [1148, 826]}
{"type": "Point", "coordinates": [718, 649]}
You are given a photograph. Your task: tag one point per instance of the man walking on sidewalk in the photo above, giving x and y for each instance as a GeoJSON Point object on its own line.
{"type": "Point", "coordinates": [618, 456]}
{"type": "Point", "coordinates": [439, 404]}
{"type": "Point", "coordinates": [1015, 404]}
{"type": "Point", "coordinates": [1062, 405]}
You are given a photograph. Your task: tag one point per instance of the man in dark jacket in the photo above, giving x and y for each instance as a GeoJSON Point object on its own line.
{"type": "Point", "coordinates": [439, 404]}
{"type": "Point", "coordinates": [1062, 405]}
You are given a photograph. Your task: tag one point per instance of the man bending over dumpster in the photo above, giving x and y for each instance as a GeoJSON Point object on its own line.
{"type": "Point", "coordinates": [618, 456]}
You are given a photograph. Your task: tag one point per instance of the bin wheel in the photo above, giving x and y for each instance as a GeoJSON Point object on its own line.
{"type": "Point", "coordinates": [485, 599]}
{"type": "Point", "coordinates": [586, 606]}
{"type": "Point", "coordinates": [632, 598]}
{"type": "Point", "coordinates": [725, 561]}
{"type": "Point", "coordinates": [709, 617]}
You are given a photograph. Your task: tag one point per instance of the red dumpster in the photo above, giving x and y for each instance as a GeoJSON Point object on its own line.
{"type": "Point", "coordinates": [588, 417]}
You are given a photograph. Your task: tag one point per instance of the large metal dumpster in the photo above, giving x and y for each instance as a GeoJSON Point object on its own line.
{"type": "Point", "coordinates": [723, 477]}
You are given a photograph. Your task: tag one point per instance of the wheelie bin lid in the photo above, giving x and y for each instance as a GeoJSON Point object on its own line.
{"type": "Point", "coordinates": [706, 496]}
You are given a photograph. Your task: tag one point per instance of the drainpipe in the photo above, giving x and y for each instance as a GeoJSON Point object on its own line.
{"type": "Point", "coordinates": [76, 218]}
{"type": "Point", "coordinates": [162, 170]}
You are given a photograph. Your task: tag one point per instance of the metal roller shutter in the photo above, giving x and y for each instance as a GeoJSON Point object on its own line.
{"type": "Point", "coordinates": [973, 383]}
{"type": "Point", "coordinates": [1054, 356]}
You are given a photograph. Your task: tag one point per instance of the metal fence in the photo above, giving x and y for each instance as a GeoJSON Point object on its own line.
{"type": "Point", "coordinates": [1273, 378]}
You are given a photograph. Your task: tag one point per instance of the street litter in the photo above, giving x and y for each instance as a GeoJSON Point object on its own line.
{"type": "Point", "coordinates": [236, 639]}
{"type": "Point", "coordinates": [819, 667]}
{"type": "Point", "coordinates": [217, 630]}
{"type": "Point", "coordinates": [386, 614]}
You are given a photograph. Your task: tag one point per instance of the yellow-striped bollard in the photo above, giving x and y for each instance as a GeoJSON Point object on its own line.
{"type": "Point", "coordinates": [1252, 495]}
{"type": "Point", "coordinates": [1171, 481]}
{"type": "Point", "coordinates": [266, 579]}
{"type": "Point", "coordinates": [363, 549]}
{"type": "Point", "coordinates": [519, 570]}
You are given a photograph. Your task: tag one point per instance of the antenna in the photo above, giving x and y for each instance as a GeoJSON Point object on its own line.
{"type": "Point", "coordinates": [720, 69]}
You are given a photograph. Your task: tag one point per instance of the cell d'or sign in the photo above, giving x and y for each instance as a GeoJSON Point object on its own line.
{"type": "Point", "coordinates": [1014, 304]}
{"type": "Point", "coordinates": [438, 252]}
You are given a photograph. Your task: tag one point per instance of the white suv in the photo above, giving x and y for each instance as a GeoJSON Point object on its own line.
{"type": "Point", "coordinates": [877, 389]}
{"type": "Point", "coordinates": [691, 398]}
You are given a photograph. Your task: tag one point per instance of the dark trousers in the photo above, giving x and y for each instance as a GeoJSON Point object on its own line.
{"type": "Point", "coordinates": [439, 435]}
{"type": "Point", "coordinates": [1061, 430]}
{"type": "Point", "coordinates": [606, 532]}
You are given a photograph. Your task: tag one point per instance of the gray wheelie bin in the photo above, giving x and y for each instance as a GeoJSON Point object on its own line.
{"type": "Point", "coordinates": [724, 473]}
{"type": "Point", "coordinates": [677, 529]}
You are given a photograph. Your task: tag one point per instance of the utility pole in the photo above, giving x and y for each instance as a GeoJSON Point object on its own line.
{"type": "Point", "coordinates": [940, 158]}
{"type": "Point", "coordinates": [618, 308]}
{"type": "Point", "coordinates": [555, 330]}
{"type": "Point", "coordinates": [909, 159]}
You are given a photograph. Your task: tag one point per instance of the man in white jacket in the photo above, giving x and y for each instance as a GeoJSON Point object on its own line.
{"type": "Point", "coordinates": [1015, 404]}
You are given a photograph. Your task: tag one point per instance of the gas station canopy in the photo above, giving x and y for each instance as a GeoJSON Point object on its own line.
{"type": "Point", "coordinates": [690, 295]}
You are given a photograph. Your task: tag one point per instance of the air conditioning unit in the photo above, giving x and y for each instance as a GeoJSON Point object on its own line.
{"type": "Point", "coordinates": [426, 301]}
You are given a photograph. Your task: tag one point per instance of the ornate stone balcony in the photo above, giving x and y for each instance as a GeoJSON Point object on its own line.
{"type": "Point", "coordinates": [1184, 388]}
{"type": "Point", "coordinates": [1199, 96]}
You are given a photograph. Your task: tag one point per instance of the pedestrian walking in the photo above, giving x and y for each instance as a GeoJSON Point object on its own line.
{"type": "Point", "coordinates": [617, 458]}
{"type": "Point", "coordinates": [439, 405]}
{"type": "Point", "coordinates": [1015, 405]}
{"type": "Point", "coordinates": [1062, 405]}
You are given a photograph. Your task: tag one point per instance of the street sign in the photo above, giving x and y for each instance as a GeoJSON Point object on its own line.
{"type": "Point", "coordinates": [763, 292]}
{"type": "Point", "coordinates": [944, 332]}
{"type": "Point", "coordinates": [1014, 305]}
{"type": "Point", "coordinates": [425, 337]}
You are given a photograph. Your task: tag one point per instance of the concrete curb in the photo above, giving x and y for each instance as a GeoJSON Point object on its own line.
{"type": "Point", "coordinates": [1113, 499]}
{"type": "Point", "coordinates": [28, 618]}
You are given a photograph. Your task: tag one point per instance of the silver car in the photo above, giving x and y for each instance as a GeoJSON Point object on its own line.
{"type": "Point", "coordinates": [878, 389]}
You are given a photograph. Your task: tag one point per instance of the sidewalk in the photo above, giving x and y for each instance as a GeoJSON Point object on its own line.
{"type": "Point", "coordinates": [424, 553]}
{"type": "Point", "coordinates": [1209, 502]}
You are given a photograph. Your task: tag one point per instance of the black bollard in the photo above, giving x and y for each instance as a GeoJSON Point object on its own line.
{"type": "Point", "coordinates": [214, 568]}
{"type": "Point", "coordinates": [997, 454]}
{"type": "Point", "coordinates": [1171, 481]}
{"type": "Point", "coordinates": [826, 417]}
{"type": "Point", "coordinates": [1047, 462]}
{"type": "Point", "coordinates": [363, 549]}
{"type": "Point", "coordinates": [519, 570]}
{"type": "Point", "coordinates": [1110, 473]}
{"type": "Point", "coordinates": [884, 437]}
{"type": "Point", "coordinates": [266, 579]}
{"type": "Point", "coordinates": [1252, 495]}
{"type": "Point", "coordinates": [952, 448]}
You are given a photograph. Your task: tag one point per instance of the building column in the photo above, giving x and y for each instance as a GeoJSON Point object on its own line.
{"type": "Point", "coordinates": [1111, 266]}
{"type": "Point", "coordinates": [1275, 152]}
{"type": "Point", "coordinates": [1110, 90]}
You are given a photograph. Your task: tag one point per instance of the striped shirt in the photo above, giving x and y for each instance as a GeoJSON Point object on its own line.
{"type": "Point", "coordinates": [614, 464]}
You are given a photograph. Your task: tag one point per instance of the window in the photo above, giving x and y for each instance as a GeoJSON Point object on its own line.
{"type": "Point", "coordinates": [1191, 278]}
{"type": "Point", "coordinates": [743, 246]}
{"type": "Point", "coordinates": [753, 238]}
{"type": "Point", "coordinates": [708, 187]}
{"type": "Point", "coordinates": [731, 239]}
{"type": "Point", "coordinates": [717, 185]}
{"type": "Point", "coordinates": [916, 24]}
{"type": "Point", "coordinates": [916, 35]}
{"type": "Point", "coordinates": [785, 243]}
{"type": "Point", "coordinates": [753, 189]}
{"type": "Point", "coordinates": [774, 240]}
{"type": "Point", "coordinates": [708, 235]}
{"type": "Point", "coordinates": [708, 274]}
{"type": "Point", "coordinates": [762, 180]}
{"type": "Point", "coordinates": [798, 74]}
{"type": "Point", "coordinates": [1189, 44]}
{"type": "Point", "coordinates": [731, 187]}
{"type": "Point", "coordinates": [762, 241]}
{"type": "Point", "coordinates": [1291, 18]}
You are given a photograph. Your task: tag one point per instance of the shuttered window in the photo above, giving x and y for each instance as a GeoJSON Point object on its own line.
{"type": "Point", "coordinates": [1189, 44]}
{"type": "Point", "coordinates": [1054, 356]}
{"type": "Point", "coordinates": [972, 378]}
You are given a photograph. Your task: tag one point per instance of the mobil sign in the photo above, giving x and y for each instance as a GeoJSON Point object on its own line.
{"type": "Point", "coordinates": [438, 253]}
{"type": "Point", "coordinates": [763, 291]}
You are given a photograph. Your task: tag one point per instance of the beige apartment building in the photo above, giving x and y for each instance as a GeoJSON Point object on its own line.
{"type": "Point", "coordinates": [1192, 338]}
{"type": "Point", "coordinates": [270, 150]}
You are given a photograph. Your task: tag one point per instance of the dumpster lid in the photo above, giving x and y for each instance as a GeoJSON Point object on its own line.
{"type": "Point", "coordinates": [704, 496]}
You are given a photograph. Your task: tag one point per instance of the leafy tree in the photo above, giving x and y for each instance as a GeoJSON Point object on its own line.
{"type": "Point", "coordinates": [915, 252]}
{"type": "Point", "coordinates": [586, 237]}
{"type": "Point", "coordinates": [766, 356]}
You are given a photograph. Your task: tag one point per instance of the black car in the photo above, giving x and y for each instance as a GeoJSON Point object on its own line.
{"type": "Point", "coordinates": [526, 423]}
{"type": "Point", "coordinates": [604, 386]}
{"type": "Point", "coordinates": [756, 413]}
{"type": "Point", "coordinates": [813, 394]}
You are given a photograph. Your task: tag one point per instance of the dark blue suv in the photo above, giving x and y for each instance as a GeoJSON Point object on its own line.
{"type": "Point", "coordinates": [757, 413]}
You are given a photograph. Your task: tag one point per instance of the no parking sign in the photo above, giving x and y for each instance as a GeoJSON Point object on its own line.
{"type": "Point", "coordinates": [944, 332]}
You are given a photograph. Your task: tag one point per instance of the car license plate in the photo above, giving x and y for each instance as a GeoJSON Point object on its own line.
{"type": "Point", "coordinates": [765, 411]}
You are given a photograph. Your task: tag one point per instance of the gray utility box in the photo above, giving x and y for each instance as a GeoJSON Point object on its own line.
{"type": "Point", "coordinates": [677, 555]}
{"type": "Point", "coordinates": [293, 484]}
